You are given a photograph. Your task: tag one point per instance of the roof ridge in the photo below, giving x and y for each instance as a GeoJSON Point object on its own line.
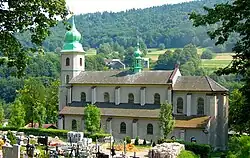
{"type": "Point", "coordinates": [209, 83]}
{"type": "Point", "coordinates": [217, 83]}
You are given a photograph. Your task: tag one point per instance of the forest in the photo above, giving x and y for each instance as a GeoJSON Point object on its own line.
{"type": "Point", "coordinates": [166, 25]}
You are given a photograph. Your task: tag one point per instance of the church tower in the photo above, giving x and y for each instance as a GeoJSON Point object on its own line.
{"type": "Point", "coordinates": [138, 60]}
{"type": "Point", "coordinates": [72, 63]}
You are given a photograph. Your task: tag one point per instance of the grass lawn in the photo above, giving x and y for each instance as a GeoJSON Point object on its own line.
{"type": "Point", "coordinates": [187, 154]}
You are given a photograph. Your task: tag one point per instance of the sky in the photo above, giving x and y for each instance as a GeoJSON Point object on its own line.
{"type": "Point", "coordinates": [91, 6]}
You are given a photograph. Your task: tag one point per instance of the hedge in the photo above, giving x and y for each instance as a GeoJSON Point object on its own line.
{"type": "Point", "coordinates": [51, 132]}
{"type": "Point", "coordinates": [199, 149]}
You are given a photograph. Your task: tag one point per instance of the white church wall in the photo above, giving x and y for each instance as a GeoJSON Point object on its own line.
{"type": "Point", "coordinates": [150, 92]}
{"type": "Point", "coordinates": [116, 127]}
{"type": "Point", "coordinates": [183, 95]}
{"type": "Point", "coordinates": [126, 90]}
{"type": "Point", "coordinates": [68, 121]}
{"type": "Point", "coordinates": [100, 90]}
{"type": "Point", "coordinates": [78, 89]}
{"type": "Point", "coordinates": [142, 129]}
{"type": "Point", "coordinates": [195, 97]}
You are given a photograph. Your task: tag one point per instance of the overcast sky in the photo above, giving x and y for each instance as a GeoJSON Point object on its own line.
{"type": "Point", "coordinates": [91, 6]}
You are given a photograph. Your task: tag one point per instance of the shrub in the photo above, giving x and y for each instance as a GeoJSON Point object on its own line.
{"type": "Point", "coordinates": [128, 140]}
{"type": "Point", "coordinates": [11, 137]}
{"type": "Point", "coordinates": [42, 132]}
{"type": "Point", "coordinates": [137, 140]}
{"type": "Point", "coordinates": [96, 135]}
{"type": "Point", "coordinates": [144, 142]}
{"type": "Point", "coordinates": [207, 54]}
{"type": "Point", "coordinates": [239, 147]}
{"type": "Point", "coordinates": [187, 154]}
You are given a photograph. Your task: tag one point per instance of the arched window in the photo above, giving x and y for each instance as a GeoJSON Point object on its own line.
{"type": "Point", "coordinates": [74, 125]}
{"type": "Point", "coordinates": [83, 97]}
{"type": "Point", "coordinates": [180, 105]}
{"type": "Point", "coordinates": [106, 97]}
{"type": "Point", "coordinates": [150, 129]}
{"type": "Point", "coordinates": [200, 106]}
{"type": "Point", "coordinates": [67, 61]}
{"type": "Point", "coordinates": [67, 79]}
{"type": "Point", "coordinates": [123, 128]}
{"type": "Point", "coordinates": [157, 98]}
{"type": "Point", "coordinates": [80, 61]}
{"type": "Point", "coordinates": [130, 98]}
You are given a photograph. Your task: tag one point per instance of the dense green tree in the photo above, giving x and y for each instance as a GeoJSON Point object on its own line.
{"type": "Point", "coordinates": [236, 112]}
{"type": "Point", "coordinates": [32, 96]}
{"type": "Point", "coordinates": [166, 119]}
{"type": "Point", "coordinates": [232, 18]}
{"type": "Point", "coordinates": [187, 58]}
{"type": "Point", "coordinates": [239, 147]}
{"type": "Point", "coordinates": [95, 62]}
{"type": "Point", "coordinates": [23, 15]}
{"type": "Point", "coordinates": [92, 118]}
{"type": "Point", "coordinates": [51, 103]}
{"type": "Point", "coordinates": [207, 54]}
{"type": "Point", "coordinates": [129, 57]}
{"type": "Point", "coordinates": [161, 46]}
{"type": "Point", "coordinates": [17, 115]}
{"type": "Point", "coordinates": [105, 48]}
{"type": "Point", "coordinates": [2, 116]}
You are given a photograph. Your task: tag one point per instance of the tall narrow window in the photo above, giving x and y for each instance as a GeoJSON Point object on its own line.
{"type": "Point", "coordinates": [157, 98]}
{"type": "Point", "coordinates": [130, 98]}
{"type": "Point", "coordinates": [67, 79]}
{"type": "Point", "coordinates": [106, 97]}
{"type": "Point", "coordinates": [200, 106]}
{"type": "Point", "coordinates": [123, 128]}
{"type": "Point", "coordinates": [150, 129]}
{"type": "Point", "coordinates": [83, 97]}
{"type": "Point", "coordinates": [74, 125]}
{"type": "Point", "coordinates": [80, 61]}
{"type": "Point", "coordinates": [180, 105]}
{"type": "Point", "coordinates": [67, 61]}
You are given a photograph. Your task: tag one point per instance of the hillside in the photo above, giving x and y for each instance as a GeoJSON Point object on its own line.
{"type": "Point", "coordinates": [168, 25]}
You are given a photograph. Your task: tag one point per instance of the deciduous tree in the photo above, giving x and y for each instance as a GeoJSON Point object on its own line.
{"type": "Point", "coordinates": [24, 15]}
{"type": "Point", "coordinates": [1, 112]}
{"type": "Point", "coordinates": [92, 118]}
{"type": "Point", "coordinates": [52, 102]}
{"type": "Point", "coordinates": [166, 119]}
{"type": "Point", "coordinates": [232, 18]}
{"type": "Point", "coordinates": [32, 96]}
{"type": "Point", "coordinates": [17, 114]}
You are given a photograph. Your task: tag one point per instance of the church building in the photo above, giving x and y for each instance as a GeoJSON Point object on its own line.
{"type": "Point", "coordinates": [129, 100]}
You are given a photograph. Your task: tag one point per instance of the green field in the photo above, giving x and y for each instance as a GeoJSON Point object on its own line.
{"type": "Point", "coordinates": [220, 60]}
{"type": "Point", "coordinates": [154, 53]}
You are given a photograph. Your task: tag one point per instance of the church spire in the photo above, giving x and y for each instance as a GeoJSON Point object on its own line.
{"type": "Point", "coordinates": [138, 60]}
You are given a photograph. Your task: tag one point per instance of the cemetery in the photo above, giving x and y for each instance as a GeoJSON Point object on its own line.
{"type": "Point", "coordinates": [16, 144]}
